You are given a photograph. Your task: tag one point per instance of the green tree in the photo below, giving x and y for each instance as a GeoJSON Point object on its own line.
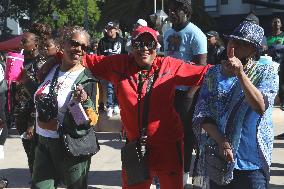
{"type": "Point", "coordinates": [70, 12]}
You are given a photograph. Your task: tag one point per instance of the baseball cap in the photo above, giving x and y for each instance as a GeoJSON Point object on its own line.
{"type": "Point", "coordinates": [142, 22]}
{"type": "Point", "coordinates": [145, 29]}
{"type": "Point", "coordinates": [212, 34]}
{"type": "Point", "coordinates": [252, 18]}
{"type": "Point", "coordinates": [112, 25]}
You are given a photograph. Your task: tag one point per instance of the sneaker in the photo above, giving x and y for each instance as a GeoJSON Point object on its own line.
{"type": "Point", "coordinates": [116, 110]}
{"type": "Point", "coordinates": [109, 112]}
{"type": "Point", "coordinates": [3, 183]}
{"type": "Point", "coordinates": [279, 137]}
{"type": "Point", "coordinates": [186, 179]}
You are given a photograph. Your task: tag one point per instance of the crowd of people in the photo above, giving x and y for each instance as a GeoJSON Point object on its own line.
{"type": "Point", "coordinates": [207, 92]}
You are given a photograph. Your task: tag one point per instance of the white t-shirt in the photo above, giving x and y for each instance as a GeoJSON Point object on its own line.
{"type": "Point", "coordinates": [65, 82]}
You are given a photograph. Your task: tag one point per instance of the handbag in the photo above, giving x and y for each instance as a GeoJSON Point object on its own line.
{"type": "Point", "coordinates": [217, 167]}
{"type": "Point", "coordinates": [46, 104]}
{"type": "Point", "coordinates": [134, 163]}
{"type": "Point", "coordinates": [85, 146]}
{"type": "Point", "coordinates": [134, 153]}
{"type": "Point", "coordinates": [75, 145]}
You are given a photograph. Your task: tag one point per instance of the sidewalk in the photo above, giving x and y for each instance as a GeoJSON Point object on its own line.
{"type": "Point", "coordinates": [106, 165]}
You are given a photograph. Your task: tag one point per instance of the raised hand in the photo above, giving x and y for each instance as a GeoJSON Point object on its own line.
{"type": "Point", "coordinates": [234, 64]}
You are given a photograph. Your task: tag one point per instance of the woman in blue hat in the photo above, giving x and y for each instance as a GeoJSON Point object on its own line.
{"type": "Point", "coordinates": [235, 109]}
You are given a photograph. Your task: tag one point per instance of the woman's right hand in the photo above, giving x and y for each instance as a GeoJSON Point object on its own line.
{"type": "Point", "coordinates": [226, 151]}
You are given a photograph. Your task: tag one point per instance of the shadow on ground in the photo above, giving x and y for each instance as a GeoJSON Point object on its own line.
{"type": "Point", "coordinates": [22, 175]}
{"type": "Point", "coordinates": [278, 165]}
{"type": "Point", "coordinates": [113, 140]}
{"type": "Point", "coordinates": [106, 178]}
{"type": "Point", "coordinates": [278, 145]}
{"type": "Point", "coordinates": [275, 186]}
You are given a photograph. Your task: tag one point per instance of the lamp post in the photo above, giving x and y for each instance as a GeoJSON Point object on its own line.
{"type": "Point", "coordinates": [86, 16]}
{"type": "Point", "coordinates": [158, 19]}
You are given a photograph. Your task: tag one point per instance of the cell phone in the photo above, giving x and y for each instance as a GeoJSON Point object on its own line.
{"type": "Point", "coordinates": [79, 115]}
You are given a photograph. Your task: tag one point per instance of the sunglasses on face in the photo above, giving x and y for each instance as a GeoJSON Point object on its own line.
{"type": "Point", "coordinates": [24, 41]}
{"type": "Point", "coordinates": [139, 45]}
{"type": "Point", "coordinates": [76, 44]}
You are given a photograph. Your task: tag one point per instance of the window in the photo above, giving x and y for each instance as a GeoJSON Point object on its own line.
{"type": "Point", "coordinates": [210, 5]}
{"type": "Point", "coordinates": [224, 2]}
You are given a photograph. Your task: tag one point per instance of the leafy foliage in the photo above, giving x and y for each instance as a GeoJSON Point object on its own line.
{"type": "Point", "coordinates": [70, 12]}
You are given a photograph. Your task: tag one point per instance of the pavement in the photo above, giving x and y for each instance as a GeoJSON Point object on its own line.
{"type": "Point", "coordinates": [106, 165]}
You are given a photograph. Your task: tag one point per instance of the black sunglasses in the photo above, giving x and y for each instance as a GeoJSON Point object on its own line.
{"type": "Point", "coordinates": [76, 44]}
{"type": "Point", "coordinates": [139, 45]}
{"type": "Point", "coordinates": [24, 41]}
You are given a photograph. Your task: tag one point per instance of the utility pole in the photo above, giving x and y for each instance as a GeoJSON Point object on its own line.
{"type": "Point", "coordinates": [86, 16]}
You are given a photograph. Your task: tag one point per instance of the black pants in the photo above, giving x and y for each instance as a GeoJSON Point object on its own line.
{"type": "Point", "coordinates": [183, 106]}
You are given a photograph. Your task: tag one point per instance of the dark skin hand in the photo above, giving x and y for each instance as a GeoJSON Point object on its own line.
{"type": "Point", "coordinates": [30, 132]}
{"type": "Point", "coordinates": [2, 123]}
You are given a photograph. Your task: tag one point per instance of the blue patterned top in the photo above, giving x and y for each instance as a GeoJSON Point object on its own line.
{"type": "Point", "coordinates": [221, 98]}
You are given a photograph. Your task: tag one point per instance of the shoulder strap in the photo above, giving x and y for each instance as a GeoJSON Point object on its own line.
{"type": "Point", "coordinates": [151, 81]}
{"type": "Point", "coordinates": [54, 81]}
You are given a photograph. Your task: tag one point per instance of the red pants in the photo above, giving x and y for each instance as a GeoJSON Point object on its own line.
{"type": "Point", "coordinates": [165, 162]}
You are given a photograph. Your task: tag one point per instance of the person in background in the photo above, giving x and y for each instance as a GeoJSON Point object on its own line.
{"type": "Point", "coordinates": [276, 50]}
{"type": "Point", "coordinates": [215, 48]}
{"type": "Point", "coordinates": [277, 35]}
{"type": "Point", "coordinates": [234, 108]}
{"type": "Point", "coordinates": [187, 42]}
{"type": "Point", "coordinates": [24, 109]}
{"type": "Point", "coordinates": [94, 47]}
{"type": "Point", "coordinates": [140, 22]}
{"type": "Point", "coordinates": [52, 164]}
{"type": "Point", "coordinates": [251, 17]}
{"type": "Point", "coordinates": [111, 44]}
{"type": "Point", "coordinates": [51, 47]}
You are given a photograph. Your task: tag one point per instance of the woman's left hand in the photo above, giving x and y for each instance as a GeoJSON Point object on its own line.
{"type": "Point", "coordinates": [234, 64]}
{"type": "Point", "coordinates": [80, 94]}
{"type": "Point", "coordinates": [226, 151]}
{"type": "Point", "coordinates": [30, 132]}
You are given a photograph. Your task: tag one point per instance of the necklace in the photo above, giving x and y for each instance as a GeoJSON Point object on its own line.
{"type": "Point", "coordinates": [60, 83]}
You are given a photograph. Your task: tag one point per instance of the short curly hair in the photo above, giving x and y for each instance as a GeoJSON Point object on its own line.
{"type": "Point", "coordinates": [68, 32]}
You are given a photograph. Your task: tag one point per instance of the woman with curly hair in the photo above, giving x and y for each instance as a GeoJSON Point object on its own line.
{"type": "Point", "coordinates": [25, 89]}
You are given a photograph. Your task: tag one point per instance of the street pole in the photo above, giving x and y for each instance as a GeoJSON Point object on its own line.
{"type": "Point", "coordinates": [162, 4]}
{"type": "Point", "coordinates": [86, 17]}
{"type": "Point", "coordinates": [155, 6]}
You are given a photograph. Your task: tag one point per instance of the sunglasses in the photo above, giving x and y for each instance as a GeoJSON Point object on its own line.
{"type": "Point", "coordinates": [139, 45]}
{"type": "Point", "coordinates": [24, 41]}
{"type": "Point", "coordinates": [76, 44]}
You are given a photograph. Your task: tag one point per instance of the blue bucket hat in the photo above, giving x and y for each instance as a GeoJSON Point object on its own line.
{"type": "Point", "coordinates": [249, 32]}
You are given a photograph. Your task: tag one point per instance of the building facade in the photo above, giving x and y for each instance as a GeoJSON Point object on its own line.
{"type": "Point", "coordinates": [229, 13]}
